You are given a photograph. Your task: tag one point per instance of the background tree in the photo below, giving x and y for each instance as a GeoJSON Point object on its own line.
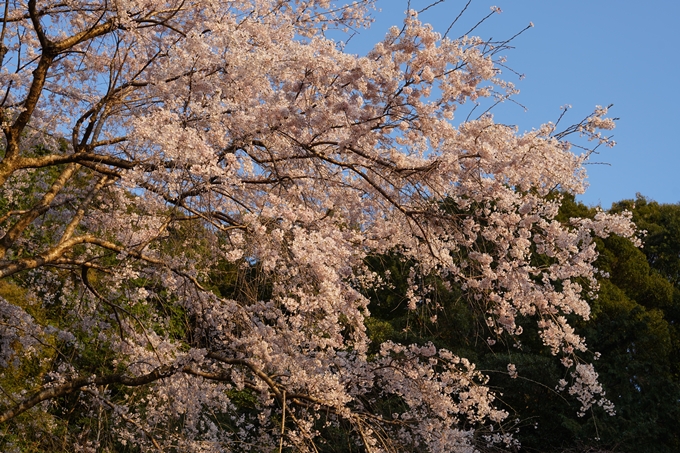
{"type": "Point", "coordinates": [632, 326]}
{"type": "Point", "coordinates": [633, 329]}
{"type": "Point", "coordinates": [190, 194]}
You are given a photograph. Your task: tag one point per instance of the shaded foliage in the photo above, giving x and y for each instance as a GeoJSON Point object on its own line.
{"type": "Point", "coordinates": [633, 327]}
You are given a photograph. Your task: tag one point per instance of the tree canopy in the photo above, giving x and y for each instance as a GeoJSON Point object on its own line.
{"type": "Point", "coordinates": [204, 204]}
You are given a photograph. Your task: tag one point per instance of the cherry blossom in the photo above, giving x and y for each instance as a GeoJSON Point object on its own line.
{"type": "Point", "coordinates": [193, 188]}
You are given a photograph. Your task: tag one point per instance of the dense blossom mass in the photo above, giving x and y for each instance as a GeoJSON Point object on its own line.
{"type": "Point", "coordinates": [190, 193]}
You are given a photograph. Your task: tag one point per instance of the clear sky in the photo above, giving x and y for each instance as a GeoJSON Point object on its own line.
{"type": "Point", "coordinates": [583, 53]}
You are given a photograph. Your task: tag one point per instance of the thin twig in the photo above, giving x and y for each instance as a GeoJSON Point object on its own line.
{"type": "Point", "coordinates": [283, 421]}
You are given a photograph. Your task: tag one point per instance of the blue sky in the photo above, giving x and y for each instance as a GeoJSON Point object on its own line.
{"type": "Point", "coordinates": [583, 53]}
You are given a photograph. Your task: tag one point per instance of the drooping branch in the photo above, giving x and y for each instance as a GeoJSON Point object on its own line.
{"type": "Point", "coordinates": [78, 383]}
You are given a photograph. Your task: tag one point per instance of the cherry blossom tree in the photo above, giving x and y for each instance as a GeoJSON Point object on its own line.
{"type": "Point", "coordinates": [190, 191]}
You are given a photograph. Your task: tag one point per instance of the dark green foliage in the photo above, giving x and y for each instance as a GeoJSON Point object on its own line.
{"type": "Point", "coordinates": [662, 241]}
{"type": "Point", "coordinates": [634, 325]}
